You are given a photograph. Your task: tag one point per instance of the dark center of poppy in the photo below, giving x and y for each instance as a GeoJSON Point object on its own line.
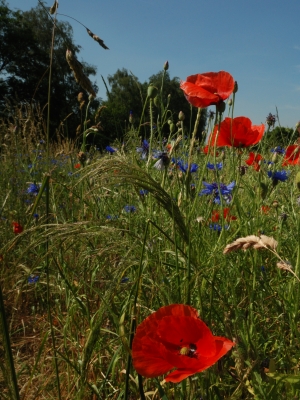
{"type": "Point", "coordinates": [189, 351]}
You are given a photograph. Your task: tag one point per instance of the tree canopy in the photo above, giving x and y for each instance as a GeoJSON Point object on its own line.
{"type": "Point", "coordinates": [25, 42]}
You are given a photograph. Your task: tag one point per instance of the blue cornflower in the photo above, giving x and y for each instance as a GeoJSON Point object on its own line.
{"type": "Point", "coordinates": [278, 150]}
{"type": "Point", "coordinates": [111, 150]}
{"type": "Point", "coordinates": [125, 279]}
{"type": "Point", "coordinates": [144, 149]}
{"type": "Point", "coordinates": [217, 190]}
{"type": "Point", "coordinates": [217, 227]}
{"type": "Point", "coordinates": [144, 192]}
{"type": "Point", "coordinates": [278, 176]}
{"type": "Point", "coordinates": [33, 189]}
{"type": "Point", "coordinates": [111, 217]}
{"type": "Point", "coordinates": [130, 209]}
{"type": "Point", "coordinates": [33, 279]}
{"type": "Point", "coordinates": [183, 167]}
{"type": "Point", "coordinates": [36, 216]}
{"type": "Point", "coordinates": [214, 167]}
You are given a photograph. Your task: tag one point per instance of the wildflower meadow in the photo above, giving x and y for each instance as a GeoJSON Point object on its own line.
{"type": "Point", "coordinates": [165, 265]}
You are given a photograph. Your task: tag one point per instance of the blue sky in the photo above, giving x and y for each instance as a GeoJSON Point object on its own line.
{"type": "Point", "coordinates": [257, 41]}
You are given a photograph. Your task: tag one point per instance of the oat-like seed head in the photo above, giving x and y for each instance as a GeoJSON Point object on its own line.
{"type": "Point", "coordinates": [97, 39]}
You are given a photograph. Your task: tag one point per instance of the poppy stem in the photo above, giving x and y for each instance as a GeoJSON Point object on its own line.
{"type": "Point", "coordinates": [141, 389]}
{"type": "Point", "coordinates": [161, 390]}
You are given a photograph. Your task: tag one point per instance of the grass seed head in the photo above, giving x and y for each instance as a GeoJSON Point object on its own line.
{"type": "Point", "coordinates": [79, 75]}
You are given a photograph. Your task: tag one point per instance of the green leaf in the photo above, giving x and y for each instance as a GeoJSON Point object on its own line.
{"type": "Point", "coordinates": [289, 378]}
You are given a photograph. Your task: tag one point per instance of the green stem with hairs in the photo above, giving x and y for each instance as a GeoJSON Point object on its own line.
{"type": "Point", "coordinates": [134, 317]}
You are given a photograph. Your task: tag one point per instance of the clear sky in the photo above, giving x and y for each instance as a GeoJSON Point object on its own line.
{"type": "Point", "coordinates": [257, 41]}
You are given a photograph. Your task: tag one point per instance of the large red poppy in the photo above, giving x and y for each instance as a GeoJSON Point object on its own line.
{"type": "Point", "coordinates": [292, 154]}
{"type": "Point", "coordinates": [237, 132]}
{"type": "Point", "coordinates": [174, 337]}
{"type": "Point", "coordinates": [203, 90]}
{"type": "Point", "coordinates": [254, 160]}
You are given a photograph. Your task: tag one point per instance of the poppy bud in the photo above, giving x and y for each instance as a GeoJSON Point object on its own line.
{"type": "Point", "coordinates": [181, 116]}
{"type": "Point", "coordinates": [221, 107]}
{"type": "Point", "coordinates": [166, 66]}
{"type": "Point", "coordinates": [172, 127]}
{"type": "Point", "coordinates": [157, 101]}
{"type": "Point", "coordinates": [229, 102]}
{"type": "Point", "coordinates": [152, 91]}
{"type": "Point", "coordinates": [236, 88]}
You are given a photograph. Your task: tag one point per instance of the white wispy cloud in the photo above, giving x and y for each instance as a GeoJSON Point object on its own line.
{"type": "Point", "coordinates": [296, 47]}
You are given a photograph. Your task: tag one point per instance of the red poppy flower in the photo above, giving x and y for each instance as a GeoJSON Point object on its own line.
{"type": "Point", "coordinates": [237, 132]}
{"type": "Point", "coordinates": [78, 165]}
{"type": "Point", "coordinates": [17, 228]}
{"type": "Point", "coordinates": [292, 154]}
{"type": "Point", "coordinates": [265, 209]}
{"type": "Point", "coordinates": [174, 337]}
{"type": "Point", "coordinates": [226, 213]}
{"type": "Point", "coordinates": [254, 160]}
{"type": "Point", "coordinates": [203, 90]}
{"type": "Point", "coordinates": [208, 149]}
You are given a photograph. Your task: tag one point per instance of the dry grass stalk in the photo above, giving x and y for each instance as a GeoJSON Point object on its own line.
{"type": "Point", "coordinates": [98, 40]}
{"type": "Point", "coordinates": [77, 69]}
{"type": "Point", "coordinates": [284, 266]}
{"type": "Point", "coordinates": [54, 7]}
{"type": "Point", "coordinates": [252, 241]}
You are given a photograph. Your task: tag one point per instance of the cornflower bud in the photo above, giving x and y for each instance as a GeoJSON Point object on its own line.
{"type": "Point", "coordinates": [131, 118]}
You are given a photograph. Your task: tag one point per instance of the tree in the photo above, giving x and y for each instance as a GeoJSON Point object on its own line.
{"type": "Point", "coordinates": [25, 41]}
{"type": "Point", "coordinates": [280, 136]}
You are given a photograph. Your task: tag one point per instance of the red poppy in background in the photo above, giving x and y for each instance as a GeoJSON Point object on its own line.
{"type": "Point", "coordinates": [265, 209]}
{"type": "Point", "coordinates": [78, 165]}
{"type": "Point", "coordinates": [174, 337]}
{"type": "Point", "coordinates": [292, 154]}
{"type": "Point", "coordinates": [208, 149]}
{"type": "Point", "coordinates": [237, 132]}
{"type": "Point", "coordinates": [203, 90]}
{"type": "Point", "coordinates": [254, 160]}
{"type": "Point", "coordinates": [215, 217]}
{"type": "Point", "coordinates": [17, 228]}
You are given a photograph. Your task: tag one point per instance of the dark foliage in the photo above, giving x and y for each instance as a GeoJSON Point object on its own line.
{"type": "Point", "coordinates": [25, 41]}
